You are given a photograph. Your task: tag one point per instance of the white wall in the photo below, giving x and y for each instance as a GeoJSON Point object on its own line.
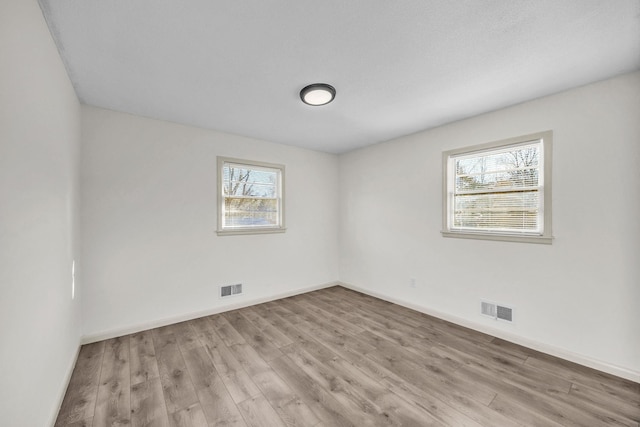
{"type": "Point", "coordinates": [578, 297]}
{"type": "Point", "coordinates": [150, 248]}
{"type": "Point", "coordinates": [39, 136]}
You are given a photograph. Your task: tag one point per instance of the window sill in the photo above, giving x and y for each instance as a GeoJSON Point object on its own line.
{"type": "Point", "coordinates": [241, 231]}
{"type": "Point", "coordinates": [545, 240]}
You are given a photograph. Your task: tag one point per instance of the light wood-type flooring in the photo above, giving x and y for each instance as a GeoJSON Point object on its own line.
{"type": "Point", "coordinates": [334, 357]}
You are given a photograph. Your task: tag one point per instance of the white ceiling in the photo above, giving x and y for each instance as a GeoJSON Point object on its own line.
{"type": "Point", "coordinates": [398, 66]}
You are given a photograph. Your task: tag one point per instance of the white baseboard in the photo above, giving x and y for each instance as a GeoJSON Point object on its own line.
{"type": "Point", "coordinates": [118, 332]}
{"type": "Point", "coordinates": [562, 353]}
{"type": "Point", "coordinates": [65, 385]}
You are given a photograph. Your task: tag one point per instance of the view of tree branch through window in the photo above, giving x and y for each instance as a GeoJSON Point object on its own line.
{"type": "Point", "coordinates": [251, 196]}
{"type": "Point", "coordinates": [499, 189]}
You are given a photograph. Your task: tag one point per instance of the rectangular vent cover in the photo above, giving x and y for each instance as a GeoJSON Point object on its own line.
{"type": "Point", "coordinates": [505, 313]}
{"type": "Point", "coordinates": [498, 312]}
{"type": "Point", "coordinates": [230, 290]}
{"type": "Point", "coordinates": [488, 309]}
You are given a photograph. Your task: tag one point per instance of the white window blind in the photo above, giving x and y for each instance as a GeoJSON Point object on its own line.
{"type": "Point", "coordinates": [497, 190]}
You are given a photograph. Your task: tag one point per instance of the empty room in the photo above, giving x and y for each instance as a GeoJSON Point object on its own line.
{"type": "Point", "coordinates": [327, 213]}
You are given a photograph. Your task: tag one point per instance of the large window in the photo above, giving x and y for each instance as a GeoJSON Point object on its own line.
{"type": "Point", "coordinates": [500, 190]}
{"type": "Point", "coordinates": [250, 197]}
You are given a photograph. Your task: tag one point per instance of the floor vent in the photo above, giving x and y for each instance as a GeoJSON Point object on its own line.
{"type": "Point", "coordinates": [495, 311]}
{"type": "Point", "coordinates": [230, 290]}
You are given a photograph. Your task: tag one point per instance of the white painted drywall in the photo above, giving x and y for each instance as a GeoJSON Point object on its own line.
{"type": "Point", "coordinates": [150, 249]}
{"type": "Point", "coordinates": [580, 294]}
{"type": "Point", "coordinates": [39, 137]}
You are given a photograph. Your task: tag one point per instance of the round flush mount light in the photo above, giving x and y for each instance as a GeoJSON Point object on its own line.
{"type": "Point", "coordinates": [318, 94]}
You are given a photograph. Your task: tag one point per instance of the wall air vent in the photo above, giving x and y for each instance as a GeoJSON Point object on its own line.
{"type": "Point", "coordinates": [496, 311]}
{"type": "Point", "coordinates": [488, 309]}
{"type": "Point", "coordinates": [230, 290]}
{"type": "Point", "coordinates": [505, 313]}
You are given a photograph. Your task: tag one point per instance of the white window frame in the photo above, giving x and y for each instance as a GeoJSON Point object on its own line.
{"type": "Point", "coordinates": [249, 164]}
{"type": "Point", "coordinates": [544, 189]}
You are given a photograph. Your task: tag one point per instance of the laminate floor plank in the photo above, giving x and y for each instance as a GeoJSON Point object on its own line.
{"type": "Point", "coordinates": [79, 402]}
{"type": "Point", "coordinates": [192, 416]}
{"type": "Point", "coordinates": [408, 368]}
{"type": "Point", "coordinates": [82, 423]}
{"type": "Point", "coordinates": [186, 336]}
{"type": "Point", "coordinates": [272, 333]}
{"type": "Point", "coordinates": [390, 350]}
{"type": "Point", "coordinates": [402, 334]}
{"type": "Point", "coordinates": [378, 393]}
{"type": "Point", "coordinates": [417, 319]}
{"type": "Point", "coordinates": [179, 392]}
{"type": "Point", "coordinates": [203, 325]}
{"type": "Point", "coordinates": [335, 337]}
{"type": "Point", "coordinates": [517, 374]}
{"type": "Point", "coordinates": [511, 348]}
{"type": "Point", "coordinates": [143, 364]}
{"type": "Point", "coordinates": [612, 386]}
{"type": "Point", "coordinates": [544, 405]}
{"type": "Point", "coordinates": [625, 408]}
{"type": "Point", "coordinates": [449, 335]}
{"type": "Point", "coordinates": [470, 408]}
{"type": "Point", "coordinates": [297, 336]}
{"type": "Point", "coordinates": [364, 395]}
{"type": "Point", "coordinates": [257, 412]}
{"type": "Point", "coordinates": [398, 412]}
{"type": "Point", "coordinates": [297, 314]}
{"type": "Point", "coordinates": [518, 413]}
{"type": "Point", "coordinates": [385, 309]}
{"type": "Point", "coordinates": [278, 307]}
{"type": "Point", "coordinates": [292, 410]}
{"type": "Point", "coordinates": [239, 385]}
{"type": "Point", "coordinates": [282, 324]}
{"type": "Point", "coordinates": [289, 405]}
{"type": "Point", "coordinates": [403, 329]}
{"type": "Point", "coordinates": [358, 312]}
{"type": "Point", "coordinates": [217, 404]}
{"type": "Point", "coordinates": [113, 404]}
{"type": "Point", "coordinates": [148, 408]}
{"type": "Point", "coordinates": [258, 369]}
{"type": "Point", "coordinates": [224, 329]}
{"type": "Point", "coordinates": [319, 351]}
{"type": "Point", "coordinates": [441, 410]}
{"type": "Point", "coordinates": [372, 321]}
{"type": "Point", "coordinates": [252, 335]}
{"type": "Point", "coordinates": [319, 401]}
{"type": "Point", "coordinates": [249, 359]}
{"type": "Point", "coordinates": [334, 357]}
{"type": "Point", "coordinates": [610, 415]}
{"type": "Point", "coordinates": [483, 350]}
{"type": "Point", "coordinates": [358, 405]}
{"type": "Point", "coordinates": [355, 355]}
{"type": "Point", "coordinates": [308, 304]}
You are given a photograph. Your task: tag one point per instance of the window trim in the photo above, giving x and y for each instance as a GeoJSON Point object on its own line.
{"type": "Point", "coordinates": [249, 230]}
{"type": "Point", "coordinates": [547, 144]}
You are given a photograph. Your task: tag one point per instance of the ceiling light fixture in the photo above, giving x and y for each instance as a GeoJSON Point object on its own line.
{"type": "Point", "coordinates": [318, 94]}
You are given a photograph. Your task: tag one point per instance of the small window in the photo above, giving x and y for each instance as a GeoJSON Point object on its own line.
{"type": "Point", "coordinates": [500, 190]}
{"type": "Point", "coordinates": [250, 197]}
